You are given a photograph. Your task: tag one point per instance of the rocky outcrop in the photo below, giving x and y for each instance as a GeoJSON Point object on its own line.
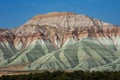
{"type": "Point", "coordinates": [61, 40]}
{"type": "Point", "coordinates": [6, 35]}
{"type": "Point", "coordinates": [59, 26]}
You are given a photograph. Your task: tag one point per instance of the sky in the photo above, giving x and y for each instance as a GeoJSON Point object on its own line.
{"type": "Point", "coordinates": [14, 13]}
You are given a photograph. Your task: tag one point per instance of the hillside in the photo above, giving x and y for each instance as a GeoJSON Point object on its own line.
{"type": "Point", "coordinates": [61, 41]}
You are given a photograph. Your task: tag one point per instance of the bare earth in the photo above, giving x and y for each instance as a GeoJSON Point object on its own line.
{"type": "Point", "coordinates": [14, 70]}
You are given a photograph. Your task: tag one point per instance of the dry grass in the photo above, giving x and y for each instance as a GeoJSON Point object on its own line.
{"type": "Point", "coordinates": [13, 70]}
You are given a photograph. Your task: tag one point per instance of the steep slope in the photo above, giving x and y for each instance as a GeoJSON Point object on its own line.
{"type": "Point", "coordinates": [7, 49]}
{"type": "Point", "coordinates": [113, 66]}
{"type": "Point", "coordinates": [58, 27]}
{"type": "Point", "coordinates": [36, 49]}
{"type": "Point", "coordinates": [61, 40]}
{"type": "Point", "coordinates": [84, 54]}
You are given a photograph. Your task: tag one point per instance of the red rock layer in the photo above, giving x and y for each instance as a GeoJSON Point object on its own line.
{"type": "Point", "coordinates": [59, 27]}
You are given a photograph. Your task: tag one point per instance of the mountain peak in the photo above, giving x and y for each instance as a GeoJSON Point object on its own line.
{"type": "Point", "coordinates": [54, 14]}
{"type": "Point", "coordinates": [61, 40]}
{"type": "Point", "coordinates": [59, 26]}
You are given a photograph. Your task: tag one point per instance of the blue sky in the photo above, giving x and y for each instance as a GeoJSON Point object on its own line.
{"type": "Point", "coordinates": [14, 13]}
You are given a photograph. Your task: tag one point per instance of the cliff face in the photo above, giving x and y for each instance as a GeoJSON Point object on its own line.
{"type": "Point", "coordinates": [6, 35]}
{"type": "Point", "coordinates": [55, 32]}
{"type": "Point", "coordinates": [61, 26]}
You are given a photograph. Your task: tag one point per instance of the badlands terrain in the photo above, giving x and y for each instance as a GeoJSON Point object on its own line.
{"type": "Point", "coordinates": [61, 41]}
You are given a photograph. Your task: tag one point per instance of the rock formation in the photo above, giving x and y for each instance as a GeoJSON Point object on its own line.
{"type": "Point", "coordinates": [46, 41]}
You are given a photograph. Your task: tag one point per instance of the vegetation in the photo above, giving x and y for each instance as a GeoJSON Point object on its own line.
{"type": "Point", "coordinates": [61, 75]}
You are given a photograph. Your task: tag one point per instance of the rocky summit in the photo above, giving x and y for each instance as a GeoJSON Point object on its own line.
{"type": "Point", "coordinates": [61, 41]}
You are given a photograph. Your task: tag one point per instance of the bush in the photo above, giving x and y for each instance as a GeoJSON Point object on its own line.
{"type": "Point", "coordinates": [62, 75]}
